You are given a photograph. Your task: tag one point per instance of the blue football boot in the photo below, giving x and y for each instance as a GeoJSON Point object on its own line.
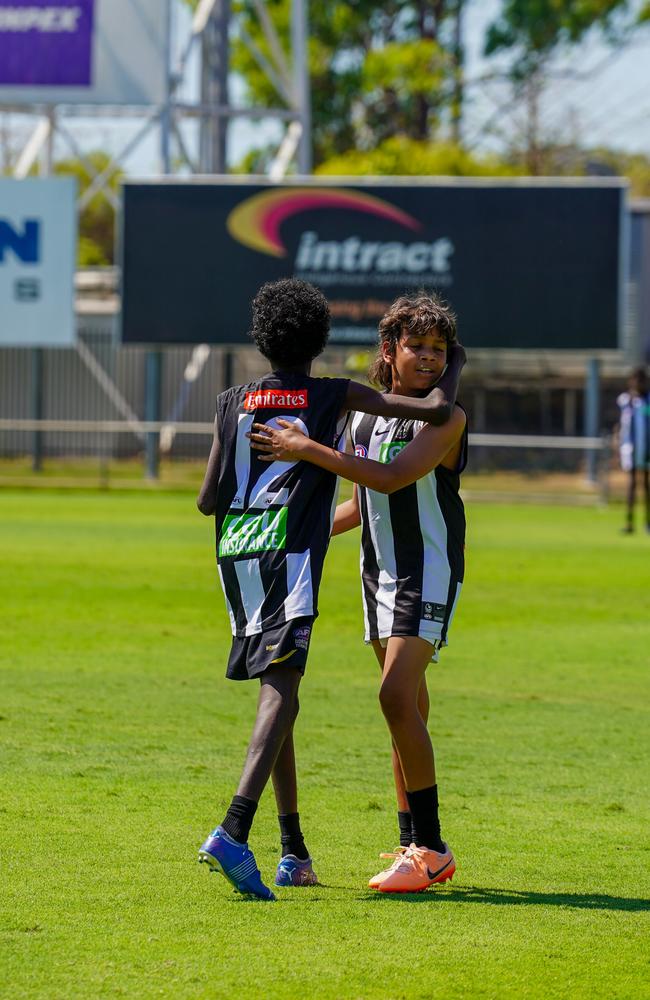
{"type": "Point", "coordinates": [236, 862]}
{"type": "Point", "coordinates": [292, 871]}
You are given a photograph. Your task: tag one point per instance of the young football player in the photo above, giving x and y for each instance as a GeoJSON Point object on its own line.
{"type": "Point", "coordinates": [412, 557]}
{"type": "Point", "coordinates": [273, 525]}
{"type": "Point", "coordinates": [634, 442]}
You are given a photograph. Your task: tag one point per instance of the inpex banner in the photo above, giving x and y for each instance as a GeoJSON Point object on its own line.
{"type": "Point", "coordinates": [83, 51]}
{"type": "Point", "coordinates": [46, 44]}
{"type": "Point", "coordinates": [37, 262]}
{"type": "Point", "coordinates": [523, 264]}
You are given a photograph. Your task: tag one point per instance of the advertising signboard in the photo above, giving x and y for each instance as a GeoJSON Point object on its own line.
{"type": "Point", "coordinates": [38, 230]}
{"type": "Point", "coordinates": [524, 264]}
{"type": "Point", "coordinates": [83, 51]}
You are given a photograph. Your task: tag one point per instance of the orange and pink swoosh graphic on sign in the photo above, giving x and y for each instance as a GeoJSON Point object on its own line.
{"type": "Point", "coordinates": [256, 221]}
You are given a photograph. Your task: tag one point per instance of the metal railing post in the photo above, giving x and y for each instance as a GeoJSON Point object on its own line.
{"type": "Point", "coordinates": [37, 407]}
{"type": "Point", "coordinates": [152, 390]}
{"type": "Point", "coordinates": [592, 416]}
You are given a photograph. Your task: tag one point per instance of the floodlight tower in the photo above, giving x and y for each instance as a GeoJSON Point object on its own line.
{"type": "Point", "coordinates": [215, 62]}
{"type": "Point", "coordinates": [287, 73]}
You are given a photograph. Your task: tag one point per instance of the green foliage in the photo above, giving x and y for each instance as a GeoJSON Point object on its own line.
{"type": "Point", "coordinates": [386, 77]}
{"type": "Point", "coordinates": [532, 29]}
{"type": "Point", "coordinates": [398, 80]}
{"type": "Point", "coordinates": [376, 70]}
{"type": "Point", "coordinates": [256, 160]}
{"type": "Point", "coordinates": [406, 68]}
{"type": "Point", "coordinates": [122, 744]}
{"type": "Point", "coordinates": [408, 157]}
{"type": "Point", "coordinates": [97, 220]}
{"type": "Point", "coordinates": [572, 161]}
{"type": "Point", "coordinates": [634, 166]}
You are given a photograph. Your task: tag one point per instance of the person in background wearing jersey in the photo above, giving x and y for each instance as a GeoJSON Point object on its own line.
{"type": "Point", "coordinates": [273, 525]}
{"type": "Point", "coordinates": [634, 442]}
{"type": "Point", "coordinates": [406, 498]}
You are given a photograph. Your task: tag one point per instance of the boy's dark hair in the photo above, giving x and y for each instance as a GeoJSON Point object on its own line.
{"type": "Point", "coordinates": [291, 321]}
{"type": "Point", "coordinates": [415, 315]}
{"type": "Point", "coordinates": [638, 380]}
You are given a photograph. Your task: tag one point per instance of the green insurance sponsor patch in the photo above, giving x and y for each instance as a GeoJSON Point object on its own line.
{"type": "Point", "coordinates": [242, 534]}
{"type": "Point", "coordinates": [390, 450]}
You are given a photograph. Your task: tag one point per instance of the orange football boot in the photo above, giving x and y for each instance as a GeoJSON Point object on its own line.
{"type": "Point", "coordinates": [418, 868]}
{"type": "Point", "coordinates": [376, 880]}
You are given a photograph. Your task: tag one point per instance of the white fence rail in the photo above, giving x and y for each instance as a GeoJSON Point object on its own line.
{"type": "Point", "coordinates": [98, 440]}
{"type": "Point", "coordinates": [155, 427]}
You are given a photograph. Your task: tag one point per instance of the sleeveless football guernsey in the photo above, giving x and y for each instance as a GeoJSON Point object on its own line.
{"type": "Point", "coordinates": [273, 519]}
{"type": "Point", "coordinates": [412, 541]}
{"type": "Point", "coordinates": [635, 431]}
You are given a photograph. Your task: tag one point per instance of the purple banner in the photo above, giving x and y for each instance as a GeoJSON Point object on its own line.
{"type": "Point", "coordinates": [46, 43]}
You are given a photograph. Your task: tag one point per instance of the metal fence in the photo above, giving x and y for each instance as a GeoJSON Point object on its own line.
{"type": "Point", "coordinates": [90, 402]}
{"type": "Point", "coordinates": [98, 382]}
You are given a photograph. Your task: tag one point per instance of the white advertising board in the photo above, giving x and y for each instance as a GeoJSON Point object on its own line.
{"type": "Point", "coordinates": [83, 51]}
{"type": "Point", "coordinates": [38, 242]}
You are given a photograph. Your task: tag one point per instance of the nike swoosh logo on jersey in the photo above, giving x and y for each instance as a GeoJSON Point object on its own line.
{"type": "Point", "coordinates": [433, 875]}
{"type": "Point", "coordinates": [382, 432]}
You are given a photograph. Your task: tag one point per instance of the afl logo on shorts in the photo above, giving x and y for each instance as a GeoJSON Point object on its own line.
{"type": "Point", "coordinates": [301, 637]}
{"type": "Point", "coordinates": [360, 451]}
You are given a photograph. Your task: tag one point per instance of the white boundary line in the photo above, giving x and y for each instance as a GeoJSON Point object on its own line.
{"type": "Point", "coordinates": [151, 426]}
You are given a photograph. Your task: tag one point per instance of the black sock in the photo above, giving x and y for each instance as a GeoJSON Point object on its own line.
{"type": "Point", "coordinates": [424, 813]}
{"type": "Point", "coordinates": [239, 818]}
{"type": "Point", "coordinates": [291, 836]}
{"type": "Point", "coordinates": [405, 828]}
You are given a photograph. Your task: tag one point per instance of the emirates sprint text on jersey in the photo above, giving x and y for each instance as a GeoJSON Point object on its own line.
{"type": "Point", "coordinates": [243, 534]}
{"type": "Point", "coordinates": [276, 399]}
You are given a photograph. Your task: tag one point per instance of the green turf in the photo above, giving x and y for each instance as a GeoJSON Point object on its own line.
{"type": "Point", "coordinates": [122, 743]}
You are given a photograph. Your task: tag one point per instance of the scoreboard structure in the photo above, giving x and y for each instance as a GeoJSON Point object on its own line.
{"type": "Point", "coordinates": [526, 263]}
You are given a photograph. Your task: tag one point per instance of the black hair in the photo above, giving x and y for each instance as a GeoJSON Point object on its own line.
{"type": "Point", "coordinates": [638, 380]}
{"type": "Point", "coordinates": [291, 321]}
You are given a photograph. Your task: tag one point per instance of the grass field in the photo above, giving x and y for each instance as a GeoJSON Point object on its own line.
{"type": "Point", "coordinates": [122, 743]}
{"type": "Point", "coordinates": [539, 485]}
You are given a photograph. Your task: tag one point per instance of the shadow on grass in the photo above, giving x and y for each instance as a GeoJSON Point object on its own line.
{"type": "Point", "coordinates": [514, 897]}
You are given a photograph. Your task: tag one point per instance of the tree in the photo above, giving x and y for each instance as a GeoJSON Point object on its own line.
{"type": "Point", "coordinates": [401, 156]}
{"type": "Point", "coordinates": [531, 32]}
{"type": "Point", "coordinates": [97, 219]}
{"type": "Point", "coordinates": [377, 70]}
{"type": "Point", "coordinates": [634, 166]}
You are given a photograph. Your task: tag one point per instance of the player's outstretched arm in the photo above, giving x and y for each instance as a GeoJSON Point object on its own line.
{"type": "Point", "coordinates": [424, 453]}
{"type": "Point", "coordinates": [207, 498]}
{"type": "Point", "coordinates": [347, 515]}
{"type": "Point", "coordinates": [436, 408]}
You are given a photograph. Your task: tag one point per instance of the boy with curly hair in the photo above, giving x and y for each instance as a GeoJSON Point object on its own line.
{"type": "Point", "coordinates": [273, 524]}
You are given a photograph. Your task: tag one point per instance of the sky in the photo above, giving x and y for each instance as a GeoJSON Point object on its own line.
{"type": "Point", "coordinates": [599, 97]}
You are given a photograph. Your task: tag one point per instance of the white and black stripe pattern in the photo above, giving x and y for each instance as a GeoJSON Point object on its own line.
{"type": "Point", "coordinates": [278, 581]}
{"type": "Point", "coordinates": [412, 541]}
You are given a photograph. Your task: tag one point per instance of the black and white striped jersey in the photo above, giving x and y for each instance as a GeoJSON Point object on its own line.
{"type": "Point", "coordinates": [273, 520]}
{"type": "Point", "coordinates": [412, 541]}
